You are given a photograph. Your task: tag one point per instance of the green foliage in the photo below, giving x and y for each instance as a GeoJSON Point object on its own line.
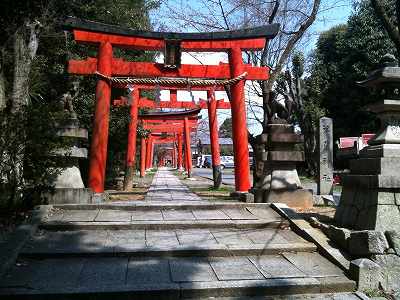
{"type": "Point", "coordinates": [225, 130]}
{"type": "Point", "coordinates": [30, 135]}
{"type": "Point", "coordinates": [27, 140]}
{"type": "Point", "coordinates": [346, 54]}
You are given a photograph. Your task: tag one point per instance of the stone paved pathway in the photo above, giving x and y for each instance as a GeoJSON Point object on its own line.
{"type": "Point", "coordinates": [172, 245]}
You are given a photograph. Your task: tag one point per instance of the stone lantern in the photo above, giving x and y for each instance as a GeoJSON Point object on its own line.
{"type": "Point", "coordinates": [69, 187]}
{"type": "Point", "coordinates": [371, 192]}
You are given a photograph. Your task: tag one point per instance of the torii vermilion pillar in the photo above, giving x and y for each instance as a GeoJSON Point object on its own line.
{"type": "Point", "coordinates": [142, 157]}
{"type": "Point", "coordinates": [214, 141]}
{"type": "Point", "coordinates": [188, 149]}
{"type": "Point", "coordinates": [239, 124]}
{"type": "Point", "coordinates": [98, 149]}
{"type": "Point", "coordinates": [180, 162]}
{"type": "Point", "coordinates": [131, 148]}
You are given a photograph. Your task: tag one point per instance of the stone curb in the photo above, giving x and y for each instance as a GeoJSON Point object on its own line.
{"type": "Point", "coordinates": [304, 229]}
{"type": "Point", "coordinates": [159, 225]}
{"type": "Point", "coordinates": [235, 288]}
{"type": "Point", "coordinates": [162, 205]}
{"type": "Point", "coordinates": [9, 253]}
{"type": "Point", "coordinates": [178, 251]}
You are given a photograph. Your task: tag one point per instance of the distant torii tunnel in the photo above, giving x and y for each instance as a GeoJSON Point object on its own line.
{"type": "Point", "coordinates": [178, 123]}
{"type": "Point", "coordinates": [106, 67]}
{"type": "Point", "coordinates": [211, 104]}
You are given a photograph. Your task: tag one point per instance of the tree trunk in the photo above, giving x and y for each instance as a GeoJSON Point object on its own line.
{"type": "Point", "coordinates": [25, 47]}
{"type": "Point", "coordinates": [3, 100]}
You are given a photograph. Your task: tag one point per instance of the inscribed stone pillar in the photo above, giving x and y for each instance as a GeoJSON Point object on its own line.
{"type": "Point", "coordinates": [325, 166]}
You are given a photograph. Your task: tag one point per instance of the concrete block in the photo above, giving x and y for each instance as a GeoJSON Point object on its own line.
{"type": "Point", "coordinates": [390, 265]}
{"type": "Point", "coordinates": [276, 266]}
{"type": "Point", "coordinates": [339, 235]}
{"type": "Point", "coordinates": [191, 269]}
{"type": "Point", "coordinates": [148, 270]}
{"type": "Point", "coordinates": [235, 268]}
{"type": "Point", "coordinates": [366, 272]}
{"type": "Point", "coordinates": [313, 264]}
{"type": "Point", "coordinates": [370, 166]}
{"type": "Point", "coordinates": [292, 138]}
{"type": "Point", "coordinates": [296, 198]}
{"type": "Point", "coordinates": [393, 238]}
{"type": "Point", "coordinates": [367, 243]}
{"type": "Point", "coordinates": [286, 155]}
{"type": "Point", "coordinates": [243, 196]}
{"type": "Point", "coordinates": [69, 196]}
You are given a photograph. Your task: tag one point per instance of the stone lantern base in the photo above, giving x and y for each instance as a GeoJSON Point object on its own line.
{"type": "Point", "coordinates": [280, 181]}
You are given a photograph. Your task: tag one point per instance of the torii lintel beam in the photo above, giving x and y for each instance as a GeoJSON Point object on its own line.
{"type": "Point", "coordinates": [93, 32]}
{"type": "Point", "coordinates": [148, 69]}
{"type": "Point", "coordinates": [147, 103]}
{"type": "Point", "coordinates": [178, 115]}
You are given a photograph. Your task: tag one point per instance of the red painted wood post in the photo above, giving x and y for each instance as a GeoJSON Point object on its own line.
{"type": "Point", "coordinates": [215, 153]}
{"type": "Point", "coordinates": [98, 149]}
{"type": "Point", "coordinates": [180, 151]}
{"type": "Point", "coordinates": [131, 150]}
{"type": "Point", "coordinates": [142, 157]}
{"type": "Point", "coordinates": [173, 155]}
{"type": "Point", "coordinates": [151, 153]}
{"type": "Point", "coordinates": [148, 152]}
{"type": "Point", "coordinates": [187, 148]}
{"type": "Point", "coordinates": [239, 125]}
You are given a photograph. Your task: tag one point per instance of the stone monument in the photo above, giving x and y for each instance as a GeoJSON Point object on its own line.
{"type": "Point", "coordinates": [69, 187]}
{"type": "Point", "coordinates": [371, 192]}
{"type": "Point", "coordinates": [280, 181]}
{"type": "Point", "coordinates": [325, 166]}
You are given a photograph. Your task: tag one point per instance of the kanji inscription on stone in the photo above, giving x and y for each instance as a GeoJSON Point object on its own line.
{"type": "Point", "coordinates": [325, 168]}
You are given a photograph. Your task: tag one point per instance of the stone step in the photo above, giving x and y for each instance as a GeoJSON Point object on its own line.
{"type": "Point", "coordinates": [227, 215]}
{"type": "Point", "coordinates": [321, 296]}
{"type": "Point", "coordinates": [218, 250]}
{"type": "Point", "coordinates": [239, 289]}
{"type": "Point", "coordinates": [179, 242]}
{"type": "Point", "coordinates": [174, 278]}
{"type": "Point", "coordinates": [163, 225]}
{"type": "Point", "coordinates": [150, 205]}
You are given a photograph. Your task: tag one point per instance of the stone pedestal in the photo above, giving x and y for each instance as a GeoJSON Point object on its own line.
{"type": "Point", "coordinates": [371, 193]}
{"type": "Point", "coordinates": [280, 181]}
{"type": "Point", "coordinates": [69, 187]}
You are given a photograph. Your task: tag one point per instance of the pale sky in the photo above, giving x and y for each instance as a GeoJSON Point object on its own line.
{"type": "Point", "coordinates": [333, 12]}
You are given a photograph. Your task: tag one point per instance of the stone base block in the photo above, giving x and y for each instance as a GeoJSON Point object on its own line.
{"type": "Point", "coordinates": [100, 197]}
{"type": "Point", "coordinates": [367, 242]}
{"type": "Point", "coordinates": [243, 197]}
{"type": "Point", "coordinates": [367, 274]}
{"type": "Point", "coordinates": [390, 269]}
{"type": "Point", "coordinates": [70, 178]}
{"type": "Point", "coordinates": [295, 198]}
{"type": "Point", "coordinates": [369, 209]}
{"type": "Point", "coordinates": [69, 196]}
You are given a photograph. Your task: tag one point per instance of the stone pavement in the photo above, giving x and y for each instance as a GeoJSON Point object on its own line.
{"type": "Point", "coordinates": [172, 245]}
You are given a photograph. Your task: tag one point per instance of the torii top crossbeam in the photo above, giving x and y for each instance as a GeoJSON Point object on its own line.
{"type": "Point", "coordinates": [93, 32]}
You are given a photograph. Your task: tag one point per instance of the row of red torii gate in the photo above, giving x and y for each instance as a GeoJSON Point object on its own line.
{"type": "Point", "coordinates": [173, 126]}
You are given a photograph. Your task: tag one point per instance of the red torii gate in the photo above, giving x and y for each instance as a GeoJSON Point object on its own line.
{"type": "Point", "coordinates": [146, 160]}
{"type": "Point", "coordinates": [175, 122]}
{"type": "Point", "coordinates": [109, 36]}
{"type": "Point", "coordinates": [212, 105]}
{"type": "Point", "coordinates": [147, 144]}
